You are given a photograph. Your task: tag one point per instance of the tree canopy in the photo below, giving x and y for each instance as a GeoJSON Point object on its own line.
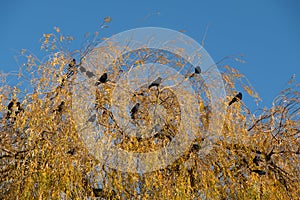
{"type": "Point", "coordinates": [42, 155]}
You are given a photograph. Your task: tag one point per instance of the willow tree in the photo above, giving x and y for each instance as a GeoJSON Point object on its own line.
{"type": "Point", "coordinates": [42, 155]}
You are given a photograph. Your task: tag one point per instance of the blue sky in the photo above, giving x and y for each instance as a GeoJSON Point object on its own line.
{"type": "Point", "coordinates": [266, 32]}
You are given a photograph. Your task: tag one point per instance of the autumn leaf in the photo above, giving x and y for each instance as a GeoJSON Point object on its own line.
{"type": "Point", "coordinates": [57, 29]}
{"type": "Point", "coordinates": [107, 19]}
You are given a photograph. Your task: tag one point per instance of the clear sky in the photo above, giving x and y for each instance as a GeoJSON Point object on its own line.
{"type": "Point", "coordinates": [266, 32]}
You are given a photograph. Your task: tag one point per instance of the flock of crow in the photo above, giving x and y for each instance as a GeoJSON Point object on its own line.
{"type": "Point", "coordinates": [14, 107]}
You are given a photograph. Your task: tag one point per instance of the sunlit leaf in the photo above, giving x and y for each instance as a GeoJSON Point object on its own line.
{"type": "Point", "coordinates": [57, 29]}
{"type": "Point", "coordinates": [107, 19]}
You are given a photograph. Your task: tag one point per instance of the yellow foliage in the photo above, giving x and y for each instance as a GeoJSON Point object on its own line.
{"type": "Point", "coordinates": [42, 155]}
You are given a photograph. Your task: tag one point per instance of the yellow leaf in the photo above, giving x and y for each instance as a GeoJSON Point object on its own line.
{"type": "Point", "coordinates": [57, 29]}
{"type": "Point", "coordinates": [46, 36]}
{"type": "Point", "coordinates": [139, 62]}
{"type": "Point", "coordinates": [107, 19]}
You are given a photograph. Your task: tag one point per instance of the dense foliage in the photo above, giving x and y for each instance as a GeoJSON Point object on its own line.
{"type": "Point", "coordinates": [43, 157]}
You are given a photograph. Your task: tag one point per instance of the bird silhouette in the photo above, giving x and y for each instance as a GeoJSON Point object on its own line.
{"type": "Point", "coordinates": [82, 69]}
{"type": "Point", "coordinates": [259, 172]}
{"type": "Point", "coordinates": [195, 148]}
{"type": "Point", "coordinates": [10, 105]}
{"type": "Point", "coordinates": [155, 83]}
{"type": "Point", "coordinates": [134, 110]}
{"type": "Point", "coordinates": [92, 118]}
{"type": "Point", "coordinates": [197, 70]}
{"type": "Point", "coordinates": [98, 192]}
{"type": "Point", "coordinates": [256, 160]}
{"type": "Point", "coordinates": [71, 151]}
{"type": "Point", "coordinates": [237, 97]}
{"type": "Point", "coordinates": [72, 63]}
{"type": "Point", "coordinates": [102, 79]}
{"type": "Point", "coordinates": [18, 108]}
{"type": "Point", "coordinates": [60, 107]}
{"type": "Point", "coordinates": [90, 74]}
{"type": "Point", "coordinates": [71, 69]}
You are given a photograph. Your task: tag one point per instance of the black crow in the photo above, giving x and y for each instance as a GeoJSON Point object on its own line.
{"type": "Point", "coordinates": [19, 108]}
{"type": "Point", "coordinates": [134, 110]}
{"type": "Point", "coordinates": [71, 69]}
{"type": "Point", "coordinates": [92, 118]}
{"type": "Point", "coordinates": [195, 148]}
{"type": "Point", "coordinates": [259, 172]}
{"type": "Point", "coordinates": [90, 74]}
{"type": "Point", "coordinates": [10, 105]}
{"type": "Point", "coordinates": [155, 83]}
{"type": "Point", "coordinates": [60, 107]}
{"type": "Point", "coordinates": [237, 97]}
{"type": "Point", "coordinates": [98, 192]}
{"type": "Point", "coordinates": [256, 160]}
{"type": "Point", "coordinates": [102, 79]}
{"type": "Point", "coordinates": [72, 63]}
{"type": "Point", "coordinates": [71, 152]}
{"type": "Point", "coordinates": [82, 69]}
{"type": "Point", "coordinates": [197, 70]}
{"type": "Point", "coordinates": [11, 110]}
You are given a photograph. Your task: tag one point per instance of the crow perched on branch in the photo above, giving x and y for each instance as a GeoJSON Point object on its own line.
{"type": "Point", "coordinates": [98, 192]}
{"type": "Point", "coordinates": [237, 97]}
{"type": "Point", "coordinates": [19, 108]}
{"type": "Point", "coordinates": [90, 74]}
{"type": "Point", "coordinates": [60, 107]}
{"type": "Point", "coordinates": [195, 148]}
{"type": "Point", "coordinates": [71, 151]}
{"type": "Point", "coordinates": [72, 63]}
{"type": "Point", "coordinates": [134, 110]}
{"type": "Point", "coordinates": [259, 172]}
{"type": "Point", "coordinates": [82, 69]}
{"type": "Point", "coordinates": [197, 70]}
{"type": "Point", "coordinates": [256, 160]}
{"type": "Point", "coordinates": [102, 79]}
{"type": "Point", "coordinates": [10, 105]}
{"type": "Point", "coordinates": [92, 118]}
{"type": "Point", "coordinates": [155, 83]}
{"type": "Point", "coordinates": [71, 68]}
{"type": "Point", "coordinates": [13, 107]}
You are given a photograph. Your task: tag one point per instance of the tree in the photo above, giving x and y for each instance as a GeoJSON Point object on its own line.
{"type": "Point", "coordinates": [42, 155]}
